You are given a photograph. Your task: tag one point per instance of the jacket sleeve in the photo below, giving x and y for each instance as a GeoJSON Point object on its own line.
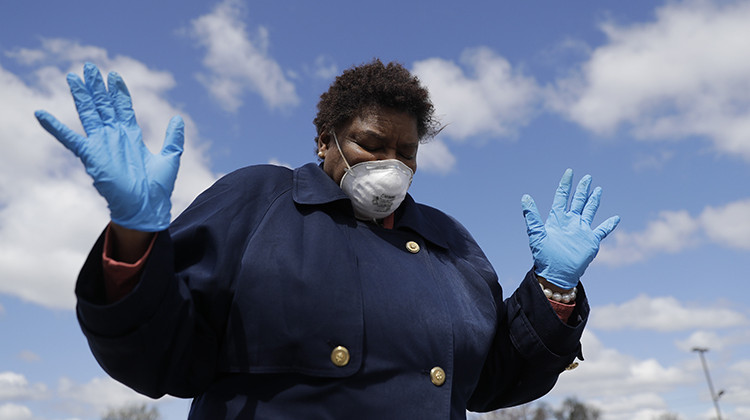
{"type": "Point", "coordinates": [151, 339]}
{"type": "Point", "coordinates": [532, 347]}
{"type": "Point", "coordinates": [165, 335]}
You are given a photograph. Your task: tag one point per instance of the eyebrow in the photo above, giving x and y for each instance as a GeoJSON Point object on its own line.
{"type": "Point", "coordinates": [371, 133]}
{"type": "Point", "coordinates": [376, 135]}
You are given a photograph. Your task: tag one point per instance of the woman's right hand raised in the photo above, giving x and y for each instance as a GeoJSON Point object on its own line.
{"type": "Point", "coordinates": [136, 183]}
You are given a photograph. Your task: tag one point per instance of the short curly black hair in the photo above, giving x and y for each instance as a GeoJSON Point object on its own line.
{"type": "Point", "coordinates": [375, 84]}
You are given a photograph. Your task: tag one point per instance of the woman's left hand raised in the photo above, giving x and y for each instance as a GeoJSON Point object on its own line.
{"type": "Point", "coordinates": [564, 245]}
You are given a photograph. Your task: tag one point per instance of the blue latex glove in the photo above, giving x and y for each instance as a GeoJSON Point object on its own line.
{"type": "Point", "coordinates": [136, 183]}
{"type": "Point", "coordinates": [565, 245]}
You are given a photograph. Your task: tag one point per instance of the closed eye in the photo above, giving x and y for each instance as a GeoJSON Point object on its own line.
{"type": "Point", "coordinates": [409, 152]}
{"type": "Point", "coordinates": [370, 149]}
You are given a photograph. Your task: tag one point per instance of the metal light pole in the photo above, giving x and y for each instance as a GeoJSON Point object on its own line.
{"type": "Point", "coordinates": [714, 396]}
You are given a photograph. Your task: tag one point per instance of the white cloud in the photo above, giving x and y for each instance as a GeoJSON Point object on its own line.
{"type": "Point", "coordinates": [596, 375]}
{"type": "Point", "coordinates": [735, 386]}
{"type": "Point", "coordinates": [625, 387]}
{"type": "Point", "coordinates": [274, 161]}
{"type": "Point", "coordinates": [637, 406]}
{"type": "Point", "coordinates": [742, 367]}
{"type": "Point", "coordinates": [486, 96]}
{"type": "Point", "coordinates": [652, 160]}
{"type": "Point", "coordinates": [662, 314]}
{"type": "Point", "coordinates": [617, 383]}
{"type": "Point", "coordinates": [716, 342]}
{"type": "Point", "coordinates": [325, 68]}
{"type": "Point", "coordinates": [12, 411]}
{"type": "Point", "coordinates": [673, 231]}
{"type": "Point", "coordinates": [434, 156]}
{"type": "Point", "coordinates": [704, 339]}
{"type": "Point", "coordinates": [741, 413]}
{"type": "Point", "coordinates": [236, 63]}
{"type": "Point", "coordinates": [96, 396]}
{"type": "Point", "coordinates": [728, 369]}
{"type": "Point", "coordinates": [86, 400]}
{"type": "Point", "coordinates": [28, 356]}
{"type": "Point", "coordinates": [728, 225]}
{"type": "Point", "coordinates": [686, 73]}
{"type": "Point", "coordinates": [58, 49]}
{"type": "Point", "coordinates": [49, 210]}
{"type": "Point", "coordinates": [15, 387]}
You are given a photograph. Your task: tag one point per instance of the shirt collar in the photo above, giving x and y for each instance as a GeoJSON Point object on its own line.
{"type": "Point", "coordinates": [314, 187]}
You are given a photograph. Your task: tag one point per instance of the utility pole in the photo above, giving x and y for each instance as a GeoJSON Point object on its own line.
{"type": "Point", "coordinates": [714, 396]}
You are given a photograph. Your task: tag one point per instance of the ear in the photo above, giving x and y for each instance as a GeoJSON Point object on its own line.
{"type": "Point", "coordinates": [324, 139]}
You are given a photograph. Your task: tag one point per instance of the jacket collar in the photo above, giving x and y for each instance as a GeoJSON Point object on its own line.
{"type": "Point", "coordinates": [313, 187]}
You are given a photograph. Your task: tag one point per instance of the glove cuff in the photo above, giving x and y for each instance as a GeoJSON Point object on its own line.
{"type": "Point", "coordinates": [554, 283]}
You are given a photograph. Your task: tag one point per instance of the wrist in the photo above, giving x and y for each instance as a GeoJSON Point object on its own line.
{"type": "Point", "coordinates": [128, 245]}
{"type": "Point", "coordinates": [555, 292]}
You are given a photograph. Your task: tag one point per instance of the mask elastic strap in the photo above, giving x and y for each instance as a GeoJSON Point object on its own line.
{"type": "Point", "coordinates": [335, 139]}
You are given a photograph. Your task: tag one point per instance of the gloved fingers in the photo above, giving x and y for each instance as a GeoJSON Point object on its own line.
{"type": "Point", "coordinates": [581, 195]}
{"type": "Point", "coordinates": [175, 138]}
{"type": "Point", "coordinates": [85, 106]}
{"type": "Point", "coordinates": [534, 224]}
{"type": "Point", "coordinates": [121, 100]}
{"type": "Point", "coordinates": [560, 202]}
{"type": "Point", "coordinates": [102, 100]}
{"type": "Point", "coordinates": [592, 205]}
{"type": "Point", "coordinates": [69, 138]}
{"type": "Point", "coordinates": [606, 227]}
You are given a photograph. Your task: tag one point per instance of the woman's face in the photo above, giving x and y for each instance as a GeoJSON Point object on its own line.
{"type": "Point", "coordinates": [375, 134]}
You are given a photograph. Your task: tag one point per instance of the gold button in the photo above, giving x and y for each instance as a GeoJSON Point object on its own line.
{"type": "Point", "coordinates": [412, 246]}
{"type": "Point", "coordinates": [437, 376]}
{"type": "Point", "coordinates": [572, 366]}
{"type": "Point", "coordinates": [340, 356]}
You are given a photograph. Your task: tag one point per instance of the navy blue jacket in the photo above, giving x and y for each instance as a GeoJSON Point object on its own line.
{"type": "Point", "coordinates": [245, 298]}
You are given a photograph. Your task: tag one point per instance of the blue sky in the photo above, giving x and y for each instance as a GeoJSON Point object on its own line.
{"type": "Point", "coordinates": [650, 97]}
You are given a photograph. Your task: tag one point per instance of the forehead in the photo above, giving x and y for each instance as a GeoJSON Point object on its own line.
{"type": "Point", "coordinates": [384, 122]}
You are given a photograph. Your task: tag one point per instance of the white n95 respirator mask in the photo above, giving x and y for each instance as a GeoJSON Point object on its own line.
{"type": "Point", "coordinates": [376, 188]}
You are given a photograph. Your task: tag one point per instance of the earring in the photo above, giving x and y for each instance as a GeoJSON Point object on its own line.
{"type": "Point", "coordinates": [321, 154]}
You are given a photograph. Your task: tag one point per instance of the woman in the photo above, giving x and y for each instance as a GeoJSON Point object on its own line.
{"type": "Point", "coordinates": [320, 292]}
